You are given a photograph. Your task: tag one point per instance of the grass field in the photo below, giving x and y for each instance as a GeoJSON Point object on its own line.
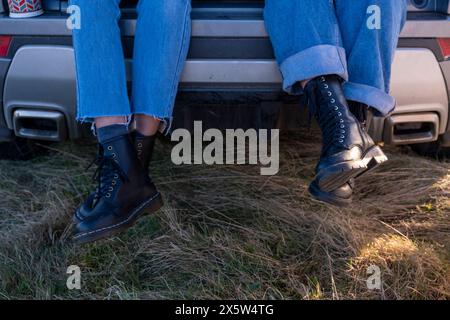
{"type": "Point", "coordinates": [227, 232]}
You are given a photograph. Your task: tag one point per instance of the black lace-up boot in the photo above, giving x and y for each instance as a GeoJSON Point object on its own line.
{"type": "Point", "coordinates": [373, 155]}
{"type": "Point", "coordinates": [144, 149]}
{"type": "Point", "coordinates": [124, 193]}
{"type": "Point", "coordinates": [344, 140]}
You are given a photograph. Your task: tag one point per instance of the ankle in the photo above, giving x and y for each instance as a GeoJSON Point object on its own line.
{"type": "Point", "coordinates": [146, 125]}
{"type": "Point", "coordinates": [304, 83]}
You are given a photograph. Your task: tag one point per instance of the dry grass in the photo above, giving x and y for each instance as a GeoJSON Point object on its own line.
{"type": "Point", "coordinates": [227, 232]}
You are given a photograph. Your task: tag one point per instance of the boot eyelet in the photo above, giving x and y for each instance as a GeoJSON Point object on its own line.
{"type": "Point", "coordinates": [110, 148]}
{"type": "Point", "coordinates": [111, 189]}
{"type": "Point", "coordinates": [342, 137]}
{"type": "Point", "coordinates": [342, 126]}
{"type": "Point", "coordinates": [333, 101]}
{"type": "Point", "coordinates": [114, 155]}
{"type": "Point", "coordinates": [329, 93]}
{"type": "Point", "coordinates": [322, 79]}
{"type": "Point", "coordinates": [114, 182]}
{"type": "Point", "coordinates": [140, 145]}
{"type": "Point", "coordinates": [341, 141]}
{"type": "Point", "coordinates": [108, 195]}
{"type": "Point", "coordinates": [336, 108]}
{"type": "Point", "coordinates": [340, 114]}
{"type": "Point", "coordinates": [116, 176]}
{"type": "Point", "coordinates": [341, 121]}
{"type": "Point", "coordinates": [325, 86]}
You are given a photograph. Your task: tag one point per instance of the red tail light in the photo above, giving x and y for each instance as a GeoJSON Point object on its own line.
{"type": "Point", "coordinates": [5, 41]}
{"type": "Point", "coordinates": [444, 44]}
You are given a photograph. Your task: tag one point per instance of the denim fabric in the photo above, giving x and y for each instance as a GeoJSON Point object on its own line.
{"type": "Point", "coordinates": [321, 37]}
{"type": "Point", "coordinates": [160, 49]}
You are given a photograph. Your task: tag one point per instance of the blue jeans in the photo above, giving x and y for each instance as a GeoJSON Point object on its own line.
{"type": "Point", "coordinates": [321, 37]}
{"type": "Point", "coordinates": [160, 48]}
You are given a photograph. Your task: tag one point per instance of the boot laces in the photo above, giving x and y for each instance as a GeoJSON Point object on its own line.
{"type": "Point", "coordinates": [107, 174]}
{"type": "Point", "coordinates": [330, 119]}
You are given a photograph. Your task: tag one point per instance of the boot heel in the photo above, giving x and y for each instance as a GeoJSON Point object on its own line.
{"type": "Point", "coordinates": [156, 204]}
{"type": "Point", "coordinates": [374, 158]}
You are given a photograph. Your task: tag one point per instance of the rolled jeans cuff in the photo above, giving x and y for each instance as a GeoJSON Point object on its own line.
{"type": "Point", "coordinates": [311, 63]}
{"type": "Point", "coordinates": [371, 96]}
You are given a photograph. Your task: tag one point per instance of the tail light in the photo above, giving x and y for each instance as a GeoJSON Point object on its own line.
{"type": "Point", "coordinates": [5, 41]}
{"type": "Point", "coordinates": [444, 44]}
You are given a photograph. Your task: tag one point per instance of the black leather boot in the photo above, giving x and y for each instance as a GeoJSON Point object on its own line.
{"type": "Point", "coordinates": [144, 149]}
{"type": "Point", "coordinates": [345, 143]}
{"type": "Point", "coordinates": [374, 156]}
{"type": "Point", "coordinates": [341, 197]}
{"type": "Point", "coordinates": [125, 192]}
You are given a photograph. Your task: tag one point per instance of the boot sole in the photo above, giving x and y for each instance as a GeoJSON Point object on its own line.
{"type": "Point", "coordinates": [333, 177]}
{"type": "Point", "coordinates": [149, 206]}
{"type": "Point", "coordinates": [325, 197]}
